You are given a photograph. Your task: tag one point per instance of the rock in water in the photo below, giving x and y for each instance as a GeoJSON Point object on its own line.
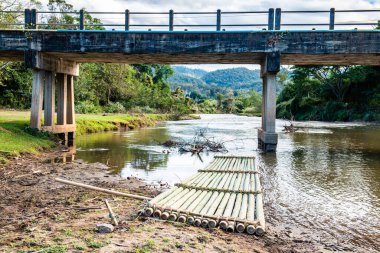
{"type": "Point", "coordinates": [104, 228]}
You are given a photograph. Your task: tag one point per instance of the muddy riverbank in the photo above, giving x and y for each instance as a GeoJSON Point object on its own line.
{"type": "Point", "coordinates": [39, 214]}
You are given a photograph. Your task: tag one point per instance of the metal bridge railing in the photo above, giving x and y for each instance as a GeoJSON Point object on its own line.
{"type": "Point", "coordinates": [175, 20]}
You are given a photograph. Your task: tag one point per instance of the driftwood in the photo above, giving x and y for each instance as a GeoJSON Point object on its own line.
{"type": "Point", "coordinates": [102, 189]}
{"type": "Point", "coordinates": [198, 144]}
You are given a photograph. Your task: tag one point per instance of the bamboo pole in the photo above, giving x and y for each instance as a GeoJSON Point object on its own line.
{"type": "Point", "coordinates": [228, 164]}
{"type": "Point", "coordinates": [149, 210]}
{"type": "Point", "coordinates": [260, 230]}
{"type": "Point", "coordinates": [102, 189]}
{"type": "Point", "coordinates": [228, 210]}
{"type": "Point", "coordinates": [212, 202]}
{"type": "Point", "coordinates": [198, 208]}
{"type": "Point", "coordinates": [193, 205]}
{"type": "Point", "coordinates": [240, 227]}
{"type": "Point", "coordinates": [255, 223]}
{"type": "Point", "coordinates": [111, 213]}
{"type": "Point", "coordinates": [173, 216]}
{"type": "Point", "coordinates": [165, 213]}
{"type": "Point", "coordinates": [251, 213]}
{"type": "Point", "coordinates": [212, 222]}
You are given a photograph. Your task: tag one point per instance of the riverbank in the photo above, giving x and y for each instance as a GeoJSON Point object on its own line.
{"type": "Point", "coordinates": [41, 215]}
{"type": "Point", "coordinates": [16, 138]}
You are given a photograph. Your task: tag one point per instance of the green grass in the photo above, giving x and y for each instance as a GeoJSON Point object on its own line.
{"type": "Point", "coordinates": [16, 138]}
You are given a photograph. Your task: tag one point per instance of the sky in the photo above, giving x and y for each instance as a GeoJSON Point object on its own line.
{"type": "Point", "coordinates": [229, 5]}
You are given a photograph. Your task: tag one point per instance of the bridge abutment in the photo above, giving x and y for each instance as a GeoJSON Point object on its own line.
{"type": "Point", "coordinates": [267, 136]}
{"type": "Point", "coordinates": [53, 90]}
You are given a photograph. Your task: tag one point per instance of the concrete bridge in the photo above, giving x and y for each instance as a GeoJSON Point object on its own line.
{"type": "Point", "coordinates": [55, 55]}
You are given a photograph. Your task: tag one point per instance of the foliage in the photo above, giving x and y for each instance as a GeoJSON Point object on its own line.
{"type": "Point", "coordinates": [331, 93]}
{"type": "Point", "coordinates": [9, 18]}
{"type": "Point", "coordinates": [15, 85]}
{"type": "Point", "coordinates": [116, 107]}
{"type": "Point", "coordinates": [235, 78]}
{"type": "Point", "coordinates": [87, 107]}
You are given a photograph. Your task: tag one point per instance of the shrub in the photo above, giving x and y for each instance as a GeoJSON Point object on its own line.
{"type": "Point", "coordinates": [87, 107]}
{"type": "Point", "coordinates": [114, 108]}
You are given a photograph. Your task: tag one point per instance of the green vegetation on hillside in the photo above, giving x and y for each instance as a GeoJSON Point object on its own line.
{"type": "Point", "coordinates": [331, 94]}
{"type": "Point", "coordinates": [235, 78]}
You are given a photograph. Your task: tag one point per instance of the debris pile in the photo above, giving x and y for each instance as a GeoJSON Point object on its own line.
{"type": "Point", "coordinates": [199, 143]}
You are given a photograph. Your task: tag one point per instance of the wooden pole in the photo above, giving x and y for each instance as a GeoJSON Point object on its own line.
{"type": "Point", "coordinates": [64, 181]}
{"type": "Point", "coordinates": [111, 213]}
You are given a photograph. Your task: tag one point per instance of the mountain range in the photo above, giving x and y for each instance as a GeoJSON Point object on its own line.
{"type": "Point", "coordinates": [208, 84]}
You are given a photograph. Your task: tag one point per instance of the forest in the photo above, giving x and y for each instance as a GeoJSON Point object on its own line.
{"type": "Point", "coordinates": [345, 93]}
{"type": "Point", "coordinates": [328, 93]}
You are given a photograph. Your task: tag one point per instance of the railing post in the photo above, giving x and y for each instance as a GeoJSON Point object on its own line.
{"type": "Point", "coordinates": [218, 19]}
{"type": "Point", "coordinates": [127, 20]}
{"type": "Point", "coordinates": [33, 19]}
{"type": "Point", "coordinates": [81, 19]}
{"type": "Point", "coordinates": [27, 18]}
{"type": "Point", "coordinates": [278, 19]}
{"type": "Point", "coordinates": [171, 20]}
{"type": "Point", "coordinates": [332, 18]}
{"type": "Point", "coordinates": [270, 19]}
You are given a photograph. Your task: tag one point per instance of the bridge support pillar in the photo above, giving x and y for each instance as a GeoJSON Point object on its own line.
{"type": "Point", "coordinates": [53, 77]}
{"type": "Point", "coordinates": [267, 136]}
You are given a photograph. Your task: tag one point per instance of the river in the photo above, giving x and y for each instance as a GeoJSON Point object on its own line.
{"type": "Point", "coordinates": [323, 183]}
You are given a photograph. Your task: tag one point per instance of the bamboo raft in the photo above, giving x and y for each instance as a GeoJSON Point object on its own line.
{"type": "Point", "coordinates": [226, 194]}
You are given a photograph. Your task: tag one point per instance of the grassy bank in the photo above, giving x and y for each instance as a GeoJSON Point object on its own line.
{"type": "Point", "coordinates": [16, 138]}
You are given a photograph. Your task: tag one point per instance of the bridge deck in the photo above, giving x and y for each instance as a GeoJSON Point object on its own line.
{"type": "Point", "coordinates": [227, 193]}
{"type": "Point", "coordinates": [240, 47]}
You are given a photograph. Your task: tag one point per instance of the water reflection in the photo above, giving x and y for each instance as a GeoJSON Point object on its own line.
{"type": "Point", "coordinates": [324, 179]}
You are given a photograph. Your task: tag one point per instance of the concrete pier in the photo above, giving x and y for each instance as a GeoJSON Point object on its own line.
{"type": "Point", "coordinates": [54, 77]}
{"type": "Point", "coordinates": [267, 136]}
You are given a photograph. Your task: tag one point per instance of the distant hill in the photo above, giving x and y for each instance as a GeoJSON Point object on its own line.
{"type": "Point", "coordinates": [208, 84]}
{"type": "Point", "coordinates": [235, 78]}
{"type": "Point", "coordinates": [196, 73]}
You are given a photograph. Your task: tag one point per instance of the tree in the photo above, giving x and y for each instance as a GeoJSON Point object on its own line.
{"type": "Point", "coordinates": [219, 99]}
{"type": "Point", "coordinates": [331, 93]}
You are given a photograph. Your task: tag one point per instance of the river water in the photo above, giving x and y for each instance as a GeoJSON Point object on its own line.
{"type": "Point", "coordinates": [323, 183]}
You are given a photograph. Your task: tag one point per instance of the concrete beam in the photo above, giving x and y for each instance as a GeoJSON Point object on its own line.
{"type": "Point", "coordinates": [36, 60]}
{"type": "Point", "coordinates": [250, 47]}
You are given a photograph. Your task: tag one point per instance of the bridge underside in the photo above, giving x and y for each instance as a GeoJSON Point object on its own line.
{"type": "Point", "coordinates": [55, 56]}
{"type": "Point", "coordinates": [233, 58]}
